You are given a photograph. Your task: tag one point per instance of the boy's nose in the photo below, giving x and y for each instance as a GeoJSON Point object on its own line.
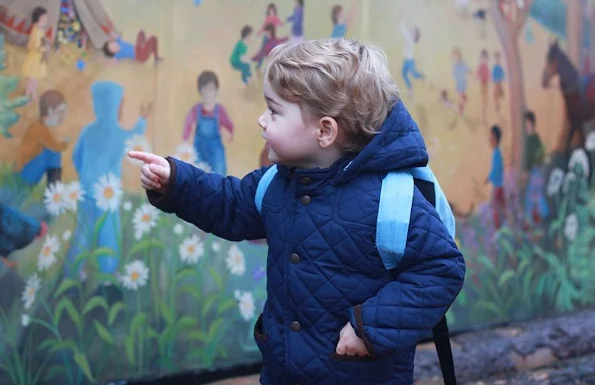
{"type": "Point", "coordinates": [262, 122]}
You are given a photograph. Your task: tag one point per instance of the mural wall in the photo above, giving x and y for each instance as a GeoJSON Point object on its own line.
{"type": "Point", "coordinates": [97, 285]}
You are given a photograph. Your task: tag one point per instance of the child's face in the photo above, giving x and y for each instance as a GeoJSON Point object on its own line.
{"type": "Point", "coordinates": [290, 140]}
{"type": "Point", "coordinates": [493, 141]}
{"type": "Point", "coordinates": [113, 47]}
{"type": "Point", "coordinates": [43, 20]}
{"type": "Point", "coordinates": [529, 127]}
{"type": "Point", "coordinates": [209, 93]}
{"type": "Point", "coordinates": [55, 116]}
{"type": "Point", "coordinates": [340, 17]}
{"type": "Point", "coordinates": [497, 58]}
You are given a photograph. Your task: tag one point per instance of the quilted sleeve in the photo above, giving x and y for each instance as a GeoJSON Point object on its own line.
{"type": "Point", "coordinates": [428, 278]}
{"type": "Point", "coordinates": [216, 204]}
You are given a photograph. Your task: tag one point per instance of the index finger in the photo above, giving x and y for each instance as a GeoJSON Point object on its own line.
{"type": "Point", "coordinates": [146, 157]}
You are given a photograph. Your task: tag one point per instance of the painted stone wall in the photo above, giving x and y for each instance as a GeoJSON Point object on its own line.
{"type": "Point", "coordinates": [97, 285]}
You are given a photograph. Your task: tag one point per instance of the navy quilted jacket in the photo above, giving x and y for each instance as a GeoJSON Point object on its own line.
{"type": "Point", "coordinates": [323, 268]}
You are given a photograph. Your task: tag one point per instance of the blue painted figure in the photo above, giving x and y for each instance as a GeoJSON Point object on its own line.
{"type": "Point", "coordinates": [207, 118]}
{"type": "Point", "coordinates": [17, 230]}
{"type": "Point", "coordinates": [99, 152]}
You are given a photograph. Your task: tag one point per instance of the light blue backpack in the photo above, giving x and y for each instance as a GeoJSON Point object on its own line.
{"type": "Point", "coordinates": [392, 226]}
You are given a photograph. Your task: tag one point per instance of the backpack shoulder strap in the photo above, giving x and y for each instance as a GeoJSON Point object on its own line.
{"type": "Point", "coordinates": [263, 185]}
{"type": "Point", "coordinates": [394, 214]}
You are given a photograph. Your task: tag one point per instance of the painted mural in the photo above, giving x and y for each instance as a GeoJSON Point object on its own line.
{"type": "Point", "coordinates": [96, 285]}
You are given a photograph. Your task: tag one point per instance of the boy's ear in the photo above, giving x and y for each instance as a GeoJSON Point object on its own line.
{"type": "Point", "coordinates": [328, 131]}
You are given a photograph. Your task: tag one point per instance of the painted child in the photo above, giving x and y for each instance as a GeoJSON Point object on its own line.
{"type": "Point", "coordinates": [483, 75]}
{"type": "Point", "coordinates": [536, 206]}
{"type": "Point", "coordinates": [460, 71]}
{"type": "Point", "coordinates": [271, 18]}
{"type": "Point", "coordinates": [411, 36]}
{"type": "Point", "coordinates": [35, 67]}
{"type": "Point", "coordinates": [210, 120]}
{"type": "Point", "coordinates": [39, 152]}
{"type": "Point", "coordinates": [297, 22]}
{"type": "Point", "coordinates": [17, 231]}
{"type": "Point", "coordinates": [239, 51]}
{"type": "Point", "coordinates": [498, 77]}
{"type": "Point", "coordinates": [141, 51]}
{"type": "Point", "coordinates": [341, 21]}
{"type": "Point", "coordinates": [496, 177]}
{"type": "Point", "coordinates": [272, 42]}
{"type": "Point", "coordinates": [97, 153]}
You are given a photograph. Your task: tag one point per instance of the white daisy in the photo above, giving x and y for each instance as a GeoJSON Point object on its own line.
{"type": "Point", "coordinates": [135, 276]}
{"type": "Point", "coordinates": [216, 246]}
{"type": "Point", "coordinates": [47, 255]}
{"type": "Point", "coordinates": [235, 260]}
{"type": "Point", "coordinates": [145, 218]}
{"type": "Point", "coordinates": [245, 304]}
{"type": "Point", "coordinates": [137, 143]}
{"type": "Point", "coordinates": [186, 153]}
{"type": "Point", "coordinates": [579, 157]}
{"type": "Point", "coordinates": [25, 320]}
{"type": "Point", "coordinates": [127, 206]}
{"type": "Point", "coordinates": [590, 142]}
{"type": "Point", "coordinates": [204, 166]}
{"type": "Point", "coordinates": [73, 194]}
{"type": "Point", "coordinates": [66, 235]}
{"type": "Point", "coordinates": [571, 227]}
{"type": "Point", "coordinates": [191, 249]}
{"type": "Point", "coordinates": [31, 288]}
{"type": "Point", "coordinates": [555, 181]}
{"type": "Point", "coordinates": [178, 228]}
{"type": "Point", "coordinates": [54, 198]}
{"type": "Point", "coordinates": [108, 192]}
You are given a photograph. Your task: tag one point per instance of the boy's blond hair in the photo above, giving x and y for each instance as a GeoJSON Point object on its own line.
{"type": "Point", "coordinates": [340, 78]}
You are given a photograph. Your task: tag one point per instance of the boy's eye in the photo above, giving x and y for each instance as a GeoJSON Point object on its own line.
{"type": "Point", "coordinates": [273, 112]}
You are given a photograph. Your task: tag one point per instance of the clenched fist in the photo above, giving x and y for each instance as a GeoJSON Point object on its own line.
{"type": "Point", "coordinates": [155, 171]}
{"type": "Point", "coordinates": [350, 344]}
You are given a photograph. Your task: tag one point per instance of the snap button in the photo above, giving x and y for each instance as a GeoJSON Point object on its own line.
{"type": "Point", "coordinates": [306, 181]}
{"type": "Point", "coordinates": [295, 326]}
{"type": "Point", "coordinates": [295, 258]}
{"type": "Point", "coordinates": [305, 199]}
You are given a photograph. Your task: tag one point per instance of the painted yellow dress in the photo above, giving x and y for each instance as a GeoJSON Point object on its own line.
{"type": "Point", "coordinates": [34, 67]}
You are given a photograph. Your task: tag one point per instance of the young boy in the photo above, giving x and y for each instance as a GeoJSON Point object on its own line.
{"type": "Point", "coordinates": [239, 51]}
{"type": "Point", "coordinates": [536, 206]}
{"type": "Point", "coordinates": [208, 118]}
{"type": "Point", "coordinates": [334, 128]}
{"type": "Point", "coordinates": [496, 177]}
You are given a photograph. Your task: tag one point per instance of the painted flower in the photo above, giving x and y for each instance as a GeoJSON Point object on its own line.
{"type": "Point", "coordinates": [47, 255]}
{"type": "Point", "coordinates": [555, 181]}
{"type": "Point", "coordinates": [136, 275]}
{"type": "Point", "coordinates": [186, 153]}
{"type": "Point", "coordinates": [54, 198]}
{"type": "Point", "coordinates": [235, 260]}
{"type": "Point", "coordinates": [31, 288]}
{"type": "Point", "coordinates": [66, 235]}
{"type": "Point", "coordinates": [127, 206]}
{"type": "Point", "coordinates": [571, 227]}
{"type": "Point", "coordinates": [178, 228]}
{"type": "Point", "coordinates": [245, 304]}
{"type": "Point", "coordinates": [590, 142]}
{"type": "Point", "coordinates": [25, 320]}
{"type": "Point", "coordinates": [579, 157]}
{"type": "Point", "coordinates": [73, 194]}
{"type": "Point", "coordinates": [191, 249]}
{"type": "Point", "coordinates": [108, 192]}
{"type": "Point", "coordinates": [137, 143]}
{"type": "Point", "coordinates": [145, 218]}
{"type": "Point", "coordinates": [216, 246]}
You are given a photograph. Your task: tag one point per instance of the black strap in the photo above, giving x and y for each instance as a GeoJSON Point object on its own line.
{"type": "Point", "coordinates": [440, 331]}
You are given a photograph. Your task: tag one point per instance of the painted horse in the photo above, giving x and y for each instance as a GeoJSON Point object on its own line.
{"type": "Point", "coordinates": [578, 91]}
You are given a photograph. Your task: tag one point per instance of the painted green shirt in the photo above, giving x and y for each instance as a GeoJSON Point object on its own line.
{"type": "Point", "coordinates": [239, 50]}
